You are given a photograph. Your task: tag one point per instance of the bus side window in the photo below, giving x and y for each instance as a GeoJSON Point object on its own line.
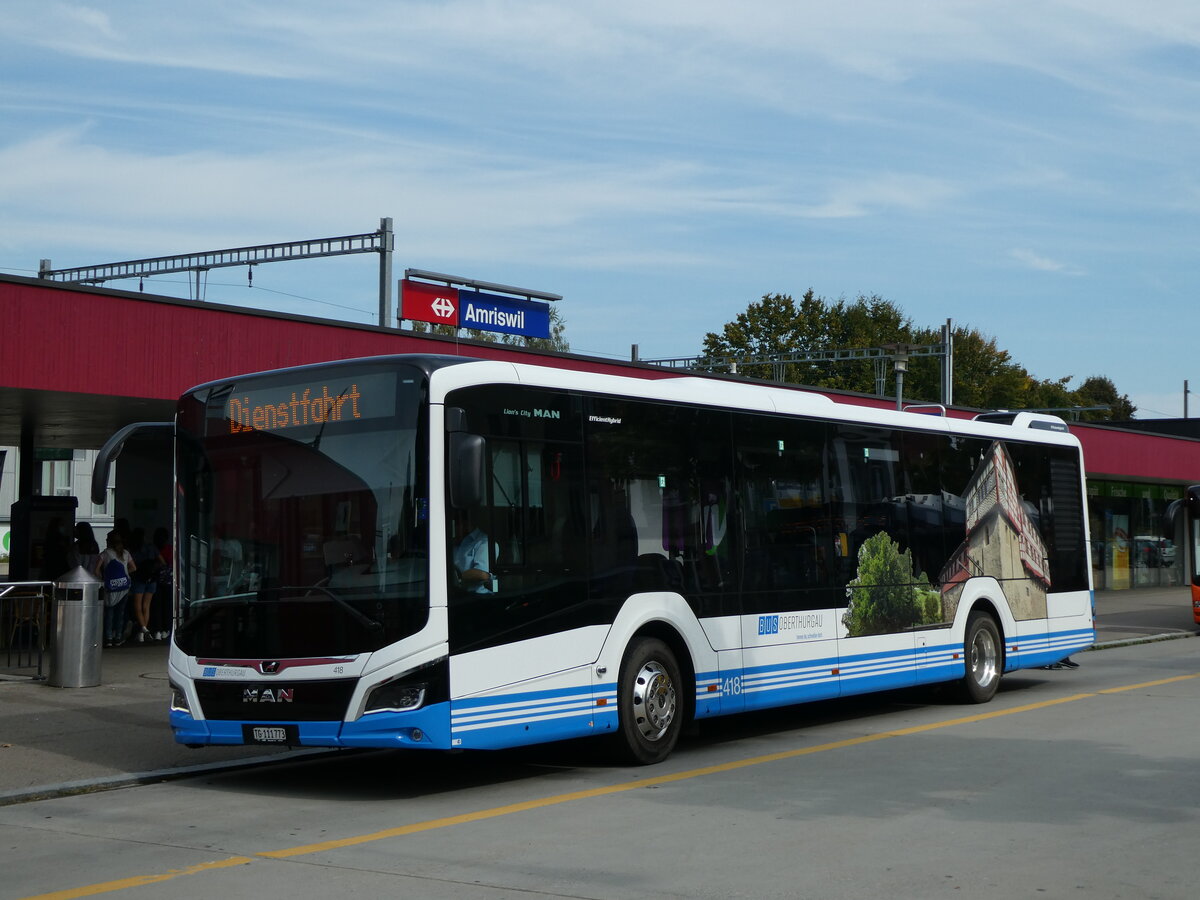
{"type": "Point", "coordinates": [661, 502]}
{"type": "Point", "coordinates": [788, 545]}
{"type": "Point", "coordinates": [532, 516]}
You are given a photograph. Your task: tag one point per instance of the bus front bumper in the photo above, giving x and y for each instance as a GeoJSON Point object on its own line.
{"type": "Point", "coordinates": [426, 728]}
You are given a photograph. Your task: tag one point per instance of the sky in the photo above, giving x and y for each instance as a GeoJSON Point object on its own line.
{"type": "Point", "coordinates": [1028, 169]}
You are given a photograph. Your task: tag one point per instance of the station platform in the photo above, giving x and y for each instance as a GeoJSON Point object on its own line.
{"type": "Point", "coordinates": [55, 741]}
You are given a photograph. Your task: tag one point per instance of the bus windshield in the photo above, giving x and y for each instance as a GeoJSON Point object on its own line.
{"type": "Point", "coordinates": [302, 513]}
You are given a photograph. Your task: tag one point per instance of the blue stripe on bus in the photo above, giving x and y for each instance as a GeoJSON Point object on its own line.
{"type": "Point", "coordinates": [1030, 651]}
{"type": "Point", "coordinates": [509, 720]}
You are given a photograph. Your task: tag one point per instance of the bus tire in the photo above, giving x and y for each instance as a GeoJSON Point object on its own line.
{"type": "Point", "coordinates": [983, 655]}
{"type": "Point", "coordinates": [649, 705]}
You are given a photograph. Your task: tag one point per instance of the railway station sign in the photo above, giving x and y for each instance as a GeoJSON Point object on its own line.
{"type": "Point", "coordinates": [462, 308]}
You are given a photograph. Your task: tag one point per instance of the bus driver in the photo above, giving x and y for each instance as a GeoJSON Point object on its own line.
{"type": "Point", "coordinates": [471, 558]}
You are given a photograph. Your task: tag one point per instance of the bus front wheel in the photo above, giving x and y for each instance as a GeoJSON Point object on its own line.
{"type": "Point", "coordinates": [983, 657]}
{"type": "Point", "coordinates": [649, 705]}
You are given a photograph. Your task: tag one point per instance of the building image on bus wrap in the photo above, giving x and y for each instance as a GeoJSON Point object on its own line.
{"type": "Point", "coordinates": [1001, 540]}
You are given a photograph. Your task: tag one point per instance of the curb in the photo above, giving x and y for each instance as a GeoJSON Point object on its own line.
{"type": "Point", "coordinates": [130, 779]}
{"type": "Point", "coordinates": [1144, 639]}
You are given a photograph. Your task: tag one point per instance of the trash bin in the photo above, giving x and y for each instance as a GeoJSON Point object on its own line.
{"type": "Point", "coordinates": [78, 631]}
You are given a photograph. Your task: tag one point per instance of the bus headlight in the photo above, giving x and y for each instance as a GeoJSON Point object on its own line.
{"type": "Point", "coordinates": [396, 696]}
{"type": "Point", "coordinates": [179, 702]}
{"type": "Point", "coordinates": [411, 690]}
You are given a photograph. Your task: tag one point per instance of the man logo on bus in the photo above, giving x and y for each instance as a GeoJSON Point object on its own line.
{"type": "Point", "coordinates": [768, 624]}
{"type": "Point", "coordinates": [267, 695]}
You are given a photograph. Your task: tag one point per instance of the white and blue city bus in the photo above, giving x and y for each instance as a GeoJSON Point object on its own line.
{"type": "Point", "coordinates": [438, 552]}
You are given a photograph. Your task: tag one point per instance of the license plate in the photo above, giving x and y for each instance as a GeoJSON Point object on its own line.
{"type": "Point", "coordinates": [270, 734]}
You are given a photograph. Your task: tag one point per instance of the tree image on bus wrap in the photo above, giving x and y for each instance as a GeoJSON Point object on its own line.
{"type": "Point", "coordinates": [886, 596]}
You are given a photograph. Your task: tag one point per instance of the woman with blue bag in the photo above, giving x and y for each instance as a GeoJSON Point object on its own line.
{"type": "Point", "coordinates": [114, 569]}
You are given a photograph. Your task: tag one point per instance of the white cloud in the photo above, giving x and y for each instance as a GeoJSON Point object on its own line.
{"type": "Point", "coordinates": [776, 49]}
{"type": "Point", "coordinates": [882, 193]}
{"type": "Point", "coordinates": [1040, 263]}
{"type": "Point", "coordinates": [60, 188]}
{"type": "Point", "coordinates": [161, 35]}
{"type": "Point", "coordinates": [91, 23]}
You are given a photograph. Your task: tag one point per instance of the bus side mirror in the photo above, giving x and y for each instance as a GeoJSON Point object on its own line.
{"type": "Point", "coordinates": [467, 452]}
{"type": "Point", "coordinates": [112, 449]}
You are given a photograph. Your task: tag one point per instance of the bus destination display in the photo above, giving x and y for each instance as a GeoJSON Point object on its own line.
{"type": "Point", "coordinates": [307, 405]}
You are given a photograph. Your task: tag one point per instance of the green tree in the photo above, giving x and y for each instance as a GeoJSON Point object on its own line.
{"type": "Point", "coordinates": [769, 327]}
{"type": "Point", "coordinates": [1048, 394]}
{"type": "Point", "coordinates": [1100, 391]}
{"type": "Point", "coordinates": [985, 376]}
{"type": "Point", "coordinates": [776, 324]}
{"type": "Point", "coordinates": [887, 594]}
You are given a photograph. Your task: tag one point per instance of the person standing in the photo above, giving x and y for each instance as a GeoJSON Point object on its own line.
{"type": "Point", "coordinates": [160, 609]}
{"type": "Point", "coordinates": [85, 550]}
{"type": "Point", "coordinates": [145, 583]}
{"type": "Point", "coordinates": [114, 568]}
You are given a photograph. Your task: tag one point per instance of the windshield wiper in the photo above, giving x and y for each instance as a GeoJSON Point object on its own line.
{"type": "Point", "coordinates": [224, 599]}
{"type": "Point", "coordinates": [374, 626]}
{"type": "Point", "coordinates": [196, 611]}
{"type": "Point", "coordinates": [207, 605]}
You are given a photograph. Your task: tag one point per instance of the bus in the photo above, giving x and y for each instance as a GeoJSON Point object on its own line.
{"type": "Point", "coordinates": [435, 552]}
{"type": "Point", "coordinates": [1191, 503]}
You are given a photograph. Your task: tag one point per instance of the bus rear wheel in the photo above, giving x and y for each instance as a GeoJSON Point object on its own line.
{"type": "Point", "coordinates": [981, 649]}
{"type": "Point", "coordinates": [649, 705]}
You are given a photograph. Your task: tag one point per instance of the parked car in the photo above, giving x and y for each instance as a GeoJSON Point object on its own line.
{"type": "Point", "coordinates": [1151, 551]}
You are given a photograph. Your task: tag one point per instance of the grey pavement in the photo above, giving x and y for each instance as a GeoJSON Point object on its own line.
{"type": "Point", "coordinates": [63, 740]}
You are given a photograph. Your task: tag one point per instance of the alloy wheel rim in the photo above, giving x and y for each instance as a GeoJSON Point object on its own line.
{"type": "Point", "coordinates": [983, 658]}
{"type": "Point", "coordinates": [654, 700]}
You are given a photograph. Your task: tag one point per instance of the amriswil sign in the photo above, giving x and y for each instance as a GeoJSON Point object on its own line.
{"type": "Point", "coordinates": [508, 315]}
{"type": "Point", "coordinates": [441, 305]}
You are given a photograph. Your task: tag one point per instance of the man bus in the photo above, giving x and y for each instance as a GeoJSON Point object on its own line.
{"type": "Point", "coordinates": [638, 554]}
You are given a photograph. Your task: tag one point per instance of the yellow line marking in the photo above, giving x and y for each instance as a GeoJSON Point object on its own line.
{"type": "Point", "coordinates": [558, 799]}
{"type": "Point", "coordinates": [526, 805]}
{"type": "Point", "coordinates": [1148, 684]}
{"type": "Point", "coordinates": [139, 880]}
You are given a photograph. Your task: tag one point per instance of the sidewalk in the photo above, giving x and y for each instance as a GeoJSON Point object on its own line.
{"type": "Point", "coordinates": [64, 739]}
{"type": "Point", "coordinates": [1133, 616]}
{"type": "Point", "coordinates": [61, 740]}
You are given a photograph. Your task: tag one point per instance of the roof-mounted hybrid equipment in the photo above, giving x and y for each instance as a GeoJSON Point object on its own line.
{"type": "Point", "coordinates": [1018, 419]}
